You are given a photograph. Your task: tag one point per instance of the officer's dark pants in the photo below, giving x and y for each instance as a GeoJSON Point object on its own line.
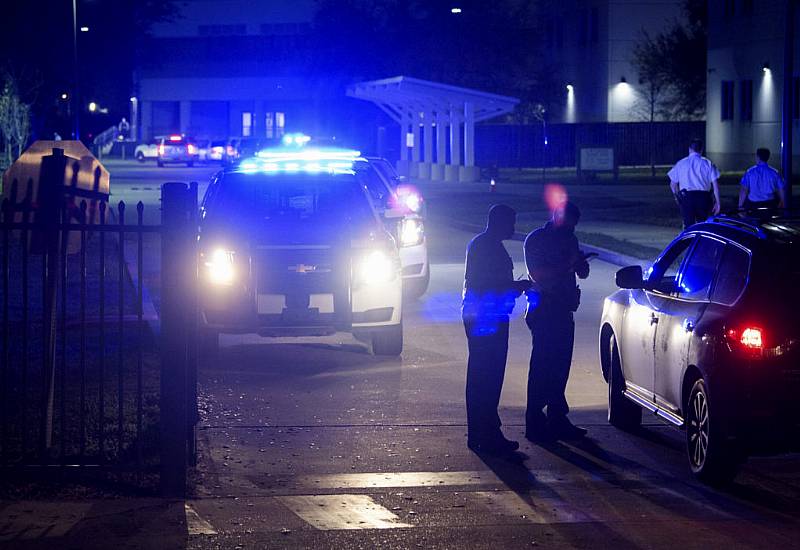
{"type": "Point", "coordinates": [695, 206]}
{"type": "Point", "coordinates": [486, 367]}
{"type": "Point", "coordinates": [553, 334]}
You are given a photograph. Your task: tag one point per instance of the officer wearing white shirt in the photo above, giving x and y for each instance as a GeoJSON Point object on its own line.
{"type": "Point", "coordinates": [693, 181]}
{"type": "Point", "coordinates": [762, 186]}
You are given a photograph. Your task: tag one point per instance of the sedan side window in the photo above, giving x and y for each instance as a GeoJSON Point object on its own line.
{"type": "Point", "coordinates": [732, 277]}
{"type": "Point", "coordinates": [663, 275]}
{"type": "Point", "coordinates": [700, 269]}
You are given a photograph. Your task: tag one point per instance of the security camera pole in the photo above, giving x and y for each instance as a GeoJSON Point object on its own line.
{"type": "Point", "coordinates": [786, 119]}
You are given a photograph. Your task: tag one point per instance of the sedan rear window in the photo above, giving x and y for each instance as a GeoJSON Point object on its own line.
{"type": "Point", "coordinates": [732, 277]}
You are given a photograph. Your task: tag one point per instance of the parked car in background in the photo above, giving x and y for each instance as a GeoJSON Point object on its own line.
{"type": "Point", "coordinates": [708, 339]}
{"type": "Point", "coordinates": [147, 151]}
{"type": "Point", "coordinates": [177, 148]}
{"type": "Point", "coordinates": [202, 149]}
{"type": "Point", "coordinates": [217, 150]}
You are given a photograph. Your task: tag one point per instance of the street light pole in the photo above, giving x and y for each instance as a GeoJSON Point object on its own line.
{"type": "Point", "coordinates": [788, 103]}
{"type": "Point", "coordinates": [76, 100]}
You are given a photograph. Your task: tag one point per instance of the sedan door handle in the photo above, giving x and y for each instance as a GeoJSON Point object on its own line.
{"type": "Point", "coordinates": [653, 319]}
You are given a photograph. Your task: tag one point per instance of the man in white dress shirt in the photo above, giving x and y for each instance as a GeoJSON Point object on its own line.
{"type": "Point", "coordinates": [762, 186]}
{"type": "Point", "coordinates": [694, 183]}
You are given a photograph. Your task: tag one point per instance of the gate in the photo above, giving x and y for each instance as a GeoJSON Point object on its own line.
{"type": "Point", "coordinates": [90, 380]}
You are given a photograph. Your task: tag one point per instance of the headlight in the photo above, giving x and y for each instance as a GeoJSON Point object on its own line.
{"type": "Point", "coordinates": [219, 266]}
{"type": "Point", "coordinates": [411, 232]}
{"type": "Point", "coordinates": [376, 267]}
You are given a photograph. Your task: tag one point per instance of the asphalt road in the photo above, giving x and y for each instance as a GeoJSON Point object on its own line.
{"type": "Point", "coordinates": [317, 443]}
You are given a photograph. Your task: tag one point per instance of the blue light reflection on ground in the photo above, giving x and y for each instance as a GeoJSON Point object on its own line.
{"type": "Point", "coordinates": [445, 307]}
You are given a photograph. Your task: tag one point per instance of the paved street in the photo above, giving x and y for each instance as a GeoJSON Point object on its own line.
{"type": "Point", "coordinates": [316, 443]}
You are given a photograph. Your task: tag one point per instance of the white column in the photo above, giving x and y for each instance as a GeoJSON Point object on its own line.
{"type": "Point", "coordinates": [416, 152]}
{"type": "Point", "coordinates": [441, 137]}
{"type": "Point", "coordinates": [469, 135]}
{"type": "Point", "coordinates": [455, 137]}
{"type": "Point", "coordinates": [427, 129]}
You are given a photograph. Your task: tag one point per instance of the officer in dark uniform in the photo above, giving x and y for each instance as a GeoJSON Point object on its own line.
{"type": "Point", "coordinates": [489, 294]}
{"type": "Point", "coordinates": [553, 259]}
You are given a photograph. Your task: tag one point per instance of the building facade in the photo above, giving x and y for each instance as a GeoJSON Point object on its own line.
{"type": "Point", "coordinates": [226, 68]}
{"type": "Point", "coordinates": [746, 81]}
{"type": "Point", "coordinates": [590, 44]}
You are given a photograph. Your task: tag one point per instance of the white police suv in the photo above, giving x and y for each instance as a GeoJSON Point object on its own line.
{"type": "Point", "coordinates": [291, 244]}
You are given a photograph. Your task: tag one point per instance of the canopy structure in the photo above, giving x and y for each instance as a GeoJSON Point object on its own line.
{"type": "Point", "coordinates": [433, 113]}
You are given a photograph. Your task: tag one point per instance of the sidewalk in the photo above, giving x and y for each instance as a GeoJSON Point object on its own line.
{"type": "Point", "coordinates": [621, 229]}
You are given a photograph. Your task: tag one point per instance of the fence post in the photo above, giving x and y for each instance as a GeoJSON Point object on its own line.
{"type": "Point", "coordinates": [178, 271]}
{"type": "Point", "coordinates": [51, 181]}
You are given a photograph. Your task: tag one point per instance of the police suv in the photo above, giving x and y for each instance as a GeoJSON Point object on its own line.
{"type": "Point", "coordinates": [292, 245]}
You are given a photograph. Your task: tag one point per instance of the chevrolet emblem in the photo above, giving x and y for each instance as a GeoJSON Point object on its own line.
{"type": "Point", "coordinates": [303, 268]}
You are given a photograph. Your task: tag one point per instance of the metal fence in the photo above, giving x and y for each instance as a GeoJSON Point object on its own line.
{"type": "Point", "coordinates": [82, 379]}
{"type": "Point", "coordinates": [634, 143]}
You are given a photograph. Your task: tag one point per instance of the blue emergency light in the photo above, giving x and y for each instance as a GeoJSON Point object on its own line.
{"type": "Point", "coordinates": [292, 160]}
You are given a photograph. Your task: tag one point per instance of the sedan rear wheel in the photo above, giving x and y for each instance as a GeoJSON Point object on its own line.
{"type": "Point", "coordinates": [712, 458]}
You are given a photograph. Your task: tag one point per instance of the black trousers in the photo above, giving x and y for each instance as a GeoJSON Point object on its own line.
{"type": "Point", "coordinates": [486, 368]}
{"type": "Point", "coordinates": [695, 206]}
{"type": "Point", "coordinates": [553, 335]}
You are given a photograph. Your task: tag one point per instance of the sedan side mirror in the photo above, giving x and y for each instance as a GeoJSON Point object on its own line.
{"type": "Point", "coordinates": [630, 277]}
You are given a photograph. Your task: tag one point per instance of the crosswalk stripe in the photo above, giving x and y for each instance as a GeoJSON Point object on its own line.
{"type": "Point", "coordinates": [377, 480]}
{"type": "Point", "coordinates": [195, 524]}
{"type": "Point", "coordinates": [534, 509]}
{"type": "Point", "coordinates": [335, 512]}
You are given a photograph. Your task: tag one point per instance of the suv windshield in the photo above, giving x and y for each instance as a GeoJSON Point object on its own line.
{"type": "Point", "coordinates": [329, 200]}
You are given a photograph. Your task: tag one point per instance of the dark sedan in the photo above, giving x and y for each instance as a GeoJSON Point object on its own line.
{"type": "Point", "coordinates": [708, 339]}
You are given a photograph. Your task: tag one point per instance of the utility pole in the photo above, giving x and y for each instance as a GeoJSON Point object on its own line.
{"type": "Point", "coordinates": [75, 99]}
{"type": "Point", "coordinates": [787, 111]}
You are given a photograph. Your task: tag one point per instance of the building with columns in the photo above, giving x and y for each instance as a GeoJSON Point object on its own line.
{"type": "Point", "coordinates": [436, 123]}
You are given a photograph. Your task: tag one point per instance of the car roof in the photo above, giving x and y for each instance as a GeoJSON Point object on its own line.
{"type": "Point", "coordinates": [770, 226]}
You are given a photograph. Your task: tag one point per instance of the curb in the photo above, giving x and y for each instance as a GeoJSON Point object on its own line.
{"type": "Point", "coordinates": [604, 254]}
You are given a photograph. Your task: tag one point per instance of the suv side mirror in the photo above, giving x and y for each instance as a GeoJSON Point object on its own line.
{"type": "Point", "coordinates": [630, 277]}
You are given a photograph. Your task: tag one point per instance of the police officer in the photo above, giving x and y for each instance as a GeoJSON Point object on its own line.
{"type": "Point", "coordinates": [693, 181]}
{"type": "Point", "coordinates": [762, 186]}
{"type": "Point", "coordinates": [489, 294]}
{"type": "Point", "coordinates": [553, 259]}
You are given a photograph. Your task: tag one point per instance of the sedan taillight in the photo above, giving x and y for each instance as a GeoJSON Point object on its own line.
{"type": "Point", "coordinates": [749, 338]}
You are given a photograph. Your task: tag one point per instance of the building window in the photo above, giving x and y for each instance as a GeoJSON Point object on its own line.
{"type": "Point", "coordinates": [269, 124]}
{"type": "Point", "coordinates": [746, 100]}
{"type": "Point", "coordinates": [726, 105]}
{"type": "Point", "coordinates": [280, 124]}
{"type": "Point", "coordinates": [729, 8]}
{"type": "Point", "coordinates": [247, 124]}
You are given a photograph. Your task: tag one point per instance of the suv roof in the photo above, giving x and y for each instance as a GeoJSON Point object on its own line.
{"type": "Point", "coordinates": [771, 226]}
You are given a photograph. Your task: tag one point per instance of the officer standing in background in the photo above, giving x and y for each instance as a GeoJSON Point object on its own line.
{"type": "Point", "coordinates": [553, 259]}
{"type": "Point", "coordinates": [489, 294]}
{"type": "Point", "coordinates": [762, 186]}
{"type": "Point", "coordinates": [693, 181]}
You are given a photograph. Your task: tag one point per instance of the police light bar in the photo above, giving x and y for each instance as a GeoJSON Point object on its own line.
{"type": "Point", "coordinates": [175, 138]}
{"type": "Point", "coordinates": [296, 139]}
{"type": "Point", "coordinates": [294, 165]}
{"type": "Point", "coordinates": [310, 155]}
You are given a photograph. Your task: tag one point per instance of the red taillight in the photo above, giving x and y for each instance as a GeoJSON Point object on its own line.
{"type": "Point", "coordinates": [161, 149]}
{"type": "Point", "coordinates": [750, 338]}
{"type": "Point", "coordinates": [230, 151]}
{"type": "Point", "coordinates": [191, 148]}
